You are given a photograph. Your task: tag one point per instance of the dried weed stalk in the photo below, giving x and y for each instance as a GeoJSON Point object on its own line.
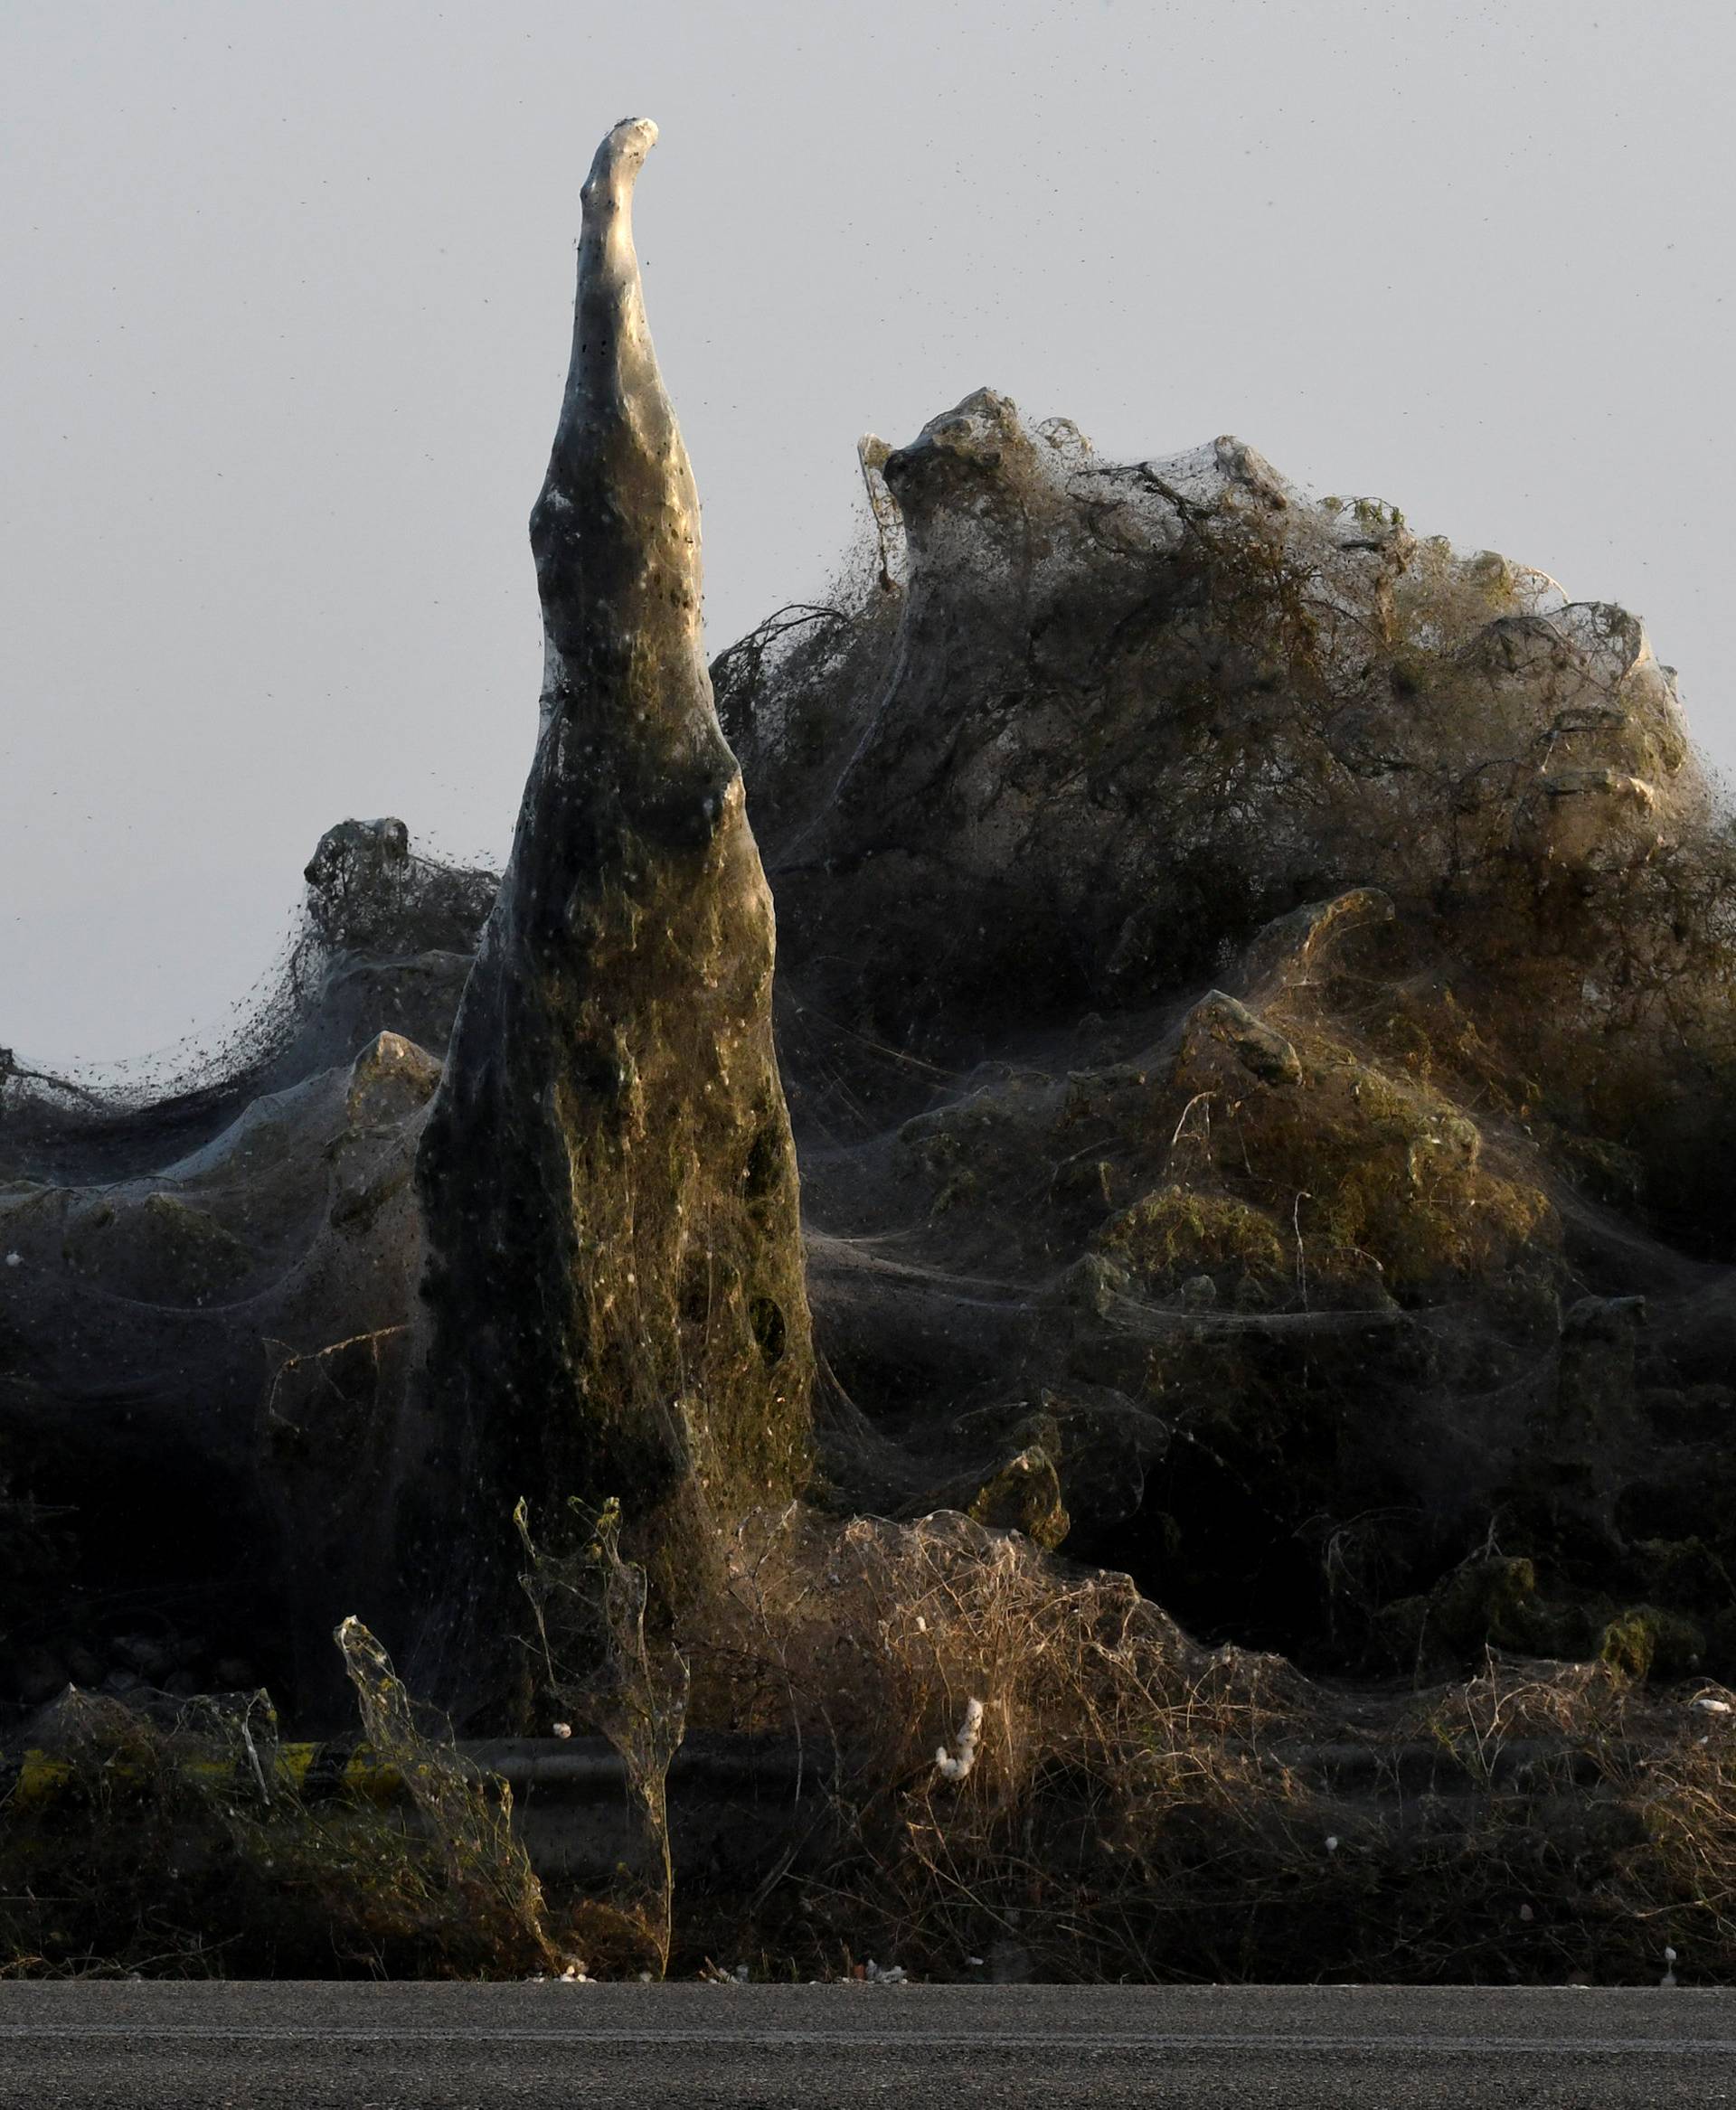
{"type": "Point", "coordinates": [602, 1667]}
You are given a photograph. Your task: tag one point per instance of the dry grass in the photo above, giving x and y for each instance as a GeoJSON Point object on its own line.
{"type": "Point", "coordinates": [1140, 1807]}
{"type": "Point", "coordinates": [1122, 1804]}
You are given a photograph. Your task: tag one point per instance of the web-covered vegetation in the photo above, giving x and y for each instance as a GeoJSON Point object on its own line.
{"type": "Point", "coordinates": [1254, 998]}
{"type": "Point", "coordinates": [1137, 1806]}
{"type": "Point", "coordinates": [186, 1839]}
{"type": "Point", "coordinates": [1256, 994]}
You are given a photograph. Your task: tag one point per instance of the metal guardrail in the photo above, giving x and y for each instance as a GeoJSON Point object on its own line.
{"type": "Point", "coordinates": [571, 1769]}
{"type": "Point", "coordinates": [736, 1805]}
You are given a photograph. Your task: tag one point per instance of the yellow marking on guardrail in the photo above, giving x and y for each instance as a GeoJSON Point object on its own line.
{"type": "Point", "coordinates": [37, 1779]}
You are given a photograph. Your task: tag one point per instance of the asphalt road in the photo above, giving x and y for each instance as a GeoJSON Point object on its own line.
{"type": "Point", "coordinates": [832, 2048]}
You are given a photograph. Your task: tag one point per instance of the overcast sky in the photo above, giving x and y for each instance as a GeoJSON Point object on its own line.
{"type": "Point", "coordinates": [284, 319]}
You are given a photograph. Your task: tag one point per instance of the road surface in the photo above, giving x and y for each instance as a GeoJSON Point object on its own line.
{"type": "Point", "coordinates": [306, 2047]}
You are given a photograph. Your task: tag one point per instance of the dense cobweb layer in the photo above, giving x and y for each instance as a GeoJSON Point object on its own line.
{"type": "Point", "coordinates": [1254, 994]}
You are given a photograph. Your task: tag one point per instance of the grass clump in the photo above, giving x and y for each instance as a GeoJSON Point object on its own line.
{"type": "Point", "coordinates": [186, 1842]}
{"type": "Point", "coordinates": [1132, 1805]}
{"type": "Point", "coordinates": [1381, 1179]}
{"type": "Point", "coordinates": [1644, 1640]}
{"type": "Point", "coordinates": [1116, 1790]}
{"type": "Point", "coordinates": [1177, 1233]}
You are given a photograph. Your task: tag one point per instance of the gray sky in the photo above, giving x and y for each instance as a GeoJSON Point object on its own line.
{"type": "Point", "coordinates": [284, 320]}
